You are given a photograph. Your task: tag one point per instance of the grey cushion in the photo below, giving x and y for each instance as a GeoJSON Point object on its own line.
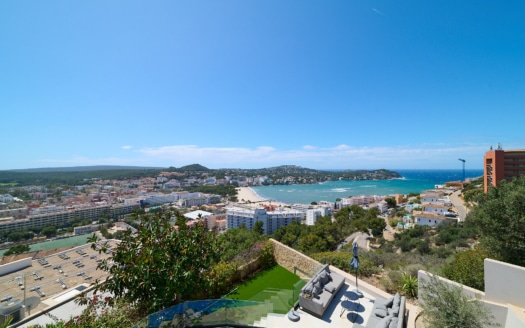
{"type": "Point", "coordinates": [330, 289]}
{"type": "Point", "coordinates": [389, 301]}
{"type": "Point", "coordinates": [318, 289]}
{"type": "Point", "coordinates": [380, 311]}
{"type": "Point", "coordinates": [393, 322]}
{"type": "Point", "coordinates": [324, 277]}
{"type": "Point", "coordinates": [308, 289]}
{"type": "Point", "coordinates": [384, 322]}
{"type": "Point", "coordinates": [396, 304]}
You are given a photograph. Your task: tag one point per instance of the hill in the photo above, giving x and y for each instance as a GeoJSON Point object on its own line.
{"type": "Point", "coordinates": [84, 168]}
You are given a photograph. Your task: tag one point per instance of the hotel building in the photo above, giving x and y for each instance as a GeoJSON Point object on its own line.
{"type": "Point", "coordinates": [501, 165]}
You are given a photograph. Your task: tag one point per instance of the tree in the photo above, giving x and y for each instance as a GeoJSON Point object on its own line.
{"type": "Point", "coordinates": [235, 241]}
{"type": "Point", "coordinates": [391, 202]}
{"type": "Point", "coordinates": [258, 227]}
{"type": "Point", "coordinates": [447, 306]}
{"type": "Point", "coordinates": [18, 249]}
{"type": "Point", "coordinates": [312, 243]}
{"type": "Point", "coordinates": [377, 225]}
{"type": "Point", "coordinates": [49, 231]}
{"type": "Point", "coordinates": [501, 220]}
{"type": "Point", "coordinates": [468, 268]}
{"type": "Point", "coordinates": [162, 264]}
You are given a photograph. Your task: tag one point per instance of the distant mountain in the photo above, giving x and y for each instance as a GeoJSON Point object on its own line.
{"type": "Point", "coordinates": [85, 168]}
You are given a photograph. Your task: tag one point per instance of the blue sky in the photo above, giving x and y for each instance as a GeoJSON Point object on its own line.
{"type": "Point", "coordinates": [350, 84]}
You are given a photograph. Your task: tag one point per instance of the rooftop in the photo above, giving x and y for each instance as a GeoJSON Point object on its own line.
{"type": "Point", "coordinates": [46, 282]}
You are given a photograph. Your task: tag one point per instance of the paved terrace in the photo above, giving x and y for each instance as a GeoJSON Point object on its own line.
{"type": "Point", "coordinates": [344, 310]}
{"type": "Point", "coordinates": [54, 279]}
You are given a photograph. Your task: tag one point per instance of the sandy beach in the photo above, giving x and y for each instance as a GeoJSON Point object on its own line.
{"type": "Point", "coordinates": [245, 194]}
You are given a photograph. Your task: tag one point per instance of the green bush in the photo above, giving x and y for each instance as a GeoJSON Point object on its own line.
{"type": "Point", "coordinates": [452, 308]}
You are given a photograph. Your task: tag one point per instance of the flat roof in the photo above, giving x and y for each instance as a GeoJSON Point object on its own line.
{"type": "Point", "coordinates": [54, 279]}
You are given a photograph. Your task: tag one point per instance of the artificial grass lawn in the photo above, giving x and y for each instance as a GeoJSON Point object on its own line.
{"type": "Point", "coordinates": [274, 285]}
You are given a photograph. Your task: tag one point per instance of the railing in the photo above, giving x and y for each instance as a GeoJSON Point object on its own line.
{"type": "Point", "coordinates": [208, 313]}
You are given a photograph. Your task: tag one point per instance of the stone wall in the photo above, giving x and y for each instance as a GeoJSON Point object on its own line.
{"type": "Point", "coordinates": [246, 270]}
{"type": "Point", "coordinates": [294, 261]}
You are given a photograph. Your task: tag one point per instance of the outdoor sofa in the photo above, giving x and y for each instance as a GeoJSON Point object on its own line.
{"type": "Point", "coordinates": [387, 313]}
{"type": "Point", "coordinates": [317, 294]}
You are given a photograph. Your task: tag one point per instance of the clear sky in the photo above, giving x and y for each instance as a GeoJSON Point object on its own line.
{"type": "Point", "coordinates": [350, 84]}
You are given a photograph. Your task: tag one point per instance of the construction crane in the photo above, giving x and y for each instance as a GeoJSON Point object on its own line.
{"type": "Point", "coordinates": [461, 159]}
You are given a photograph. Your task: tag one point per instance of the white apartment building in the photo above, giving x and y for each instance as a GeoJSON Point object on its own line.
{"type": "Point", "coordinates": [436, 208]}
{"type": "Point", "coordinates": [6, 198]}
{"type": "Point", "coordinates": [272, 220]}
{"type": "Point", "coordinates": [382, 206]}
{"type": "Point", "coordinates": [60, 218]}
{"type": "Point", "coordinates": [312, 215]}
{"type": "Point", "coordinates": [360, 200]}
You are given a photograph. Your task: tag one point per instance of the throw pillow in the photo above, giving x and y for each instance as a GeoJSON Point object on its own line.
{"type": "Point", "coordinates": [397, 299]}
{"type": "Point", "coordinates": [323, 277]}
{"type": "Point", "coordinates": [396, 304]}
{"type": "Point", "coordinates": [393, 322]}
{"type": "Point", "coordinates": [308, 289]}
{"type": "Point", "coordinates": [318, 289]}
{"type": "Point", "coordinates": [389, 301]}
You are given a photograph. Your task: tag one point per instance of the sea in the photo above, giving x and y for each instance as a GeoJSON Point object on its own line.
{"type": "Point", "coordinates": [412, 181]}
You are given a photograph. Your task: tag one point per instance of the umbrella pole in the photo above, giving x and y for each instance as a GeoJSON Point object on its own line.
{"type": "Point", "coordinates": [356, 290]}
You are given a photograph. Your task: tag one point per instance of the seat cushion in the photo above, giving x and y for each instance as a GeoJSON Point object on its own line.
{"type": "Point", "coordinates": [380, 310]}
{"type": "Point", "coordinates": [383, 323]}
{"type": "Point", "coordinates": [393, 323]}
{"type": "Point", "coordinates": [329, 288]}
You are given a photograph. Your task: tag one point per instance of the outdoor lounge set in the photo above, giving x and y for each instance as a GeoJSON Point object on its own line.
{"type": "Point", "coordinates": [317, 294]}
{"type": "Point", "coordinates": [387, 313]}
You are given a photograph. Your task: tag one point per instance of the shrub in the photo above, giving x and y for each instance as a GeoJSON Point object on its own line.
{"type": "Point", "coordinates": [409, 285]}
{"type": "Point", "coordinates": [452, 308]}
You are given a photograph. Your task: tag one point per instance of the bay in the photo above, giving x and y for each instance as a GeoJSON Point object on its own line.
{"type": "Point", "coordinates": [412, 181]}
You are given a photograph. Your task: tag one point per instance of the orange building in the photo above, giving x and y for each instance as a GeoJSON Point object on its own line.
{"type": "Point", "coordinates": [501, 165]}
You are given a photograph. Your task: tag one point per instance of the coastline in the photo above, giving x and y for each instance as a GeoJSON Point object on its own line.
{"type": "Point", "coordinates": [247, 194]}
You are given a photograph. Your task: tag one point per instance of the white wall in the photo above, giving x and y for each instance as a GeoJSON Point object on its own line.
{"type": "Point", "coordinates": [505, 283]}
{"type": "Point", "coordinates": [15, 266]}
{"type": "Point", "coordinates": [504, 294]}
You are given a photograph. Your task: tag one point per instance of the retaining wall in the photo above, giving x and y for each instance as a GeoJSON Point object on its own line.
{"type": "Point", "coordinates": [294, 261]}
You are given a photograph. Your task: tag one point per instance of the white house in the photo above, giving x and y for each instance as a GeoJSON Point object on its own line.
{"type": "Point", "coordinates": [430, 219]}
{"type": "Point", "coordinates": [436, 208]}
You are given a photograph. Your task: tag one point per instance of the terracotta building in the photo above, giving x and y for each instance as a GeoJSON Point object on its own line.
{"type": "Point", "coordinates": [501, 165]}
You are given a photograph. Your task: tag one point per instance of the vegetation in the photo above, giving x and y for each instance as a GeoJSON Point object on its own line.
{"type": "Point", "coordinates": [18, 249]}
{"type": "Point", "coordinates": [452, 308]}
{"type": "Point", "coordinates": [86, 175]}
{"type": "Point", "coordinates": [237, 245]}
{"type": "Point", "coordinates": [501, 220]}
{"type": "Point", "coordinates": [161, 265]}
{"type": "Point", "coordinates": [467, 268]}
